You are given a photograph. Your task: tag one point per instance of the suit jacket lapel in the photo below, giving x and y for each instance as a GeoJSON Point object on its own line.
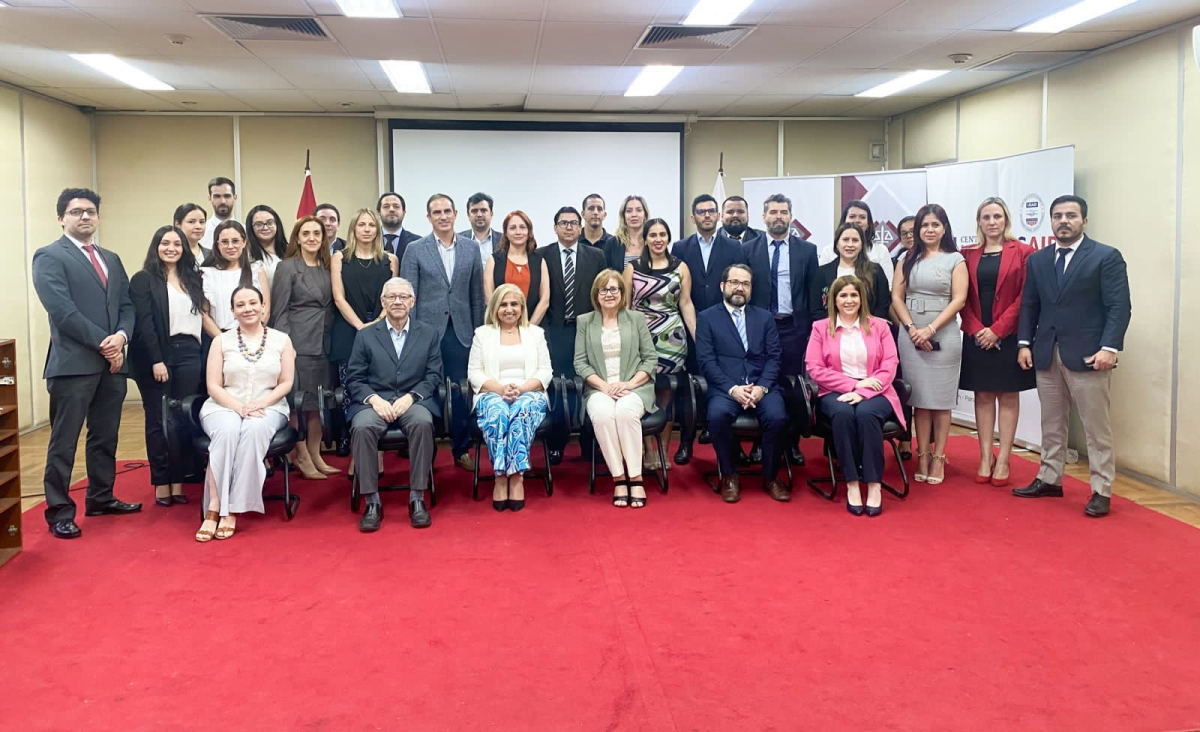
{"type": "Point", "coordinates": [1008, 263]}
{"type": "Point", "coordinates": [593, 335]}
{"type": "Point", "coordinates": [1076, 261]}
{"type": "Point", "coordinates": [79, 256]}
{"type": "Point", "coordinates": [796, 267]}
{"type": "Point", "coordinates": [385, 341]}
{"type": "Point", "coordinates": [628, 355]}
{"type": "Point", "coordinates": [732, 327]}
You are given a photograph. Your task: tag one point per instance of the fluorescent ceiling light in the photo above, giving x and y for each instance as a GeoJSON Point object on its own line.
{"type": "Point", "coordinates": [1078, 13]}
{"type": "Point", "coordinates": [716, 12]}
{"type": "Point", "coordinates": [651, 80]}
{"type": "Point", "coordinates": [900, 83]}
{"type": "Point", "coordinates": [408, 77]}
{"type": "Point", "coordinates": [368, 8]}
{"type": "Point", "coordinates": [122, 71]}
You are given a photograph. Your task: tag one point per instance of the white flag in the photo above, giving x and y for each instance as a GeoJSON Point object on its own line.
{"type": "Point", "coordinates": [719, 188]}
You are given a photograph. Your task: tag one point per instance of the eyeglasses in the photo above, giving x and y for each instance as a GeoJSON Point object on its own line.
{"type": "Point", "coordinates": [81, 212]}
{"type": "Point", "coordinates": [568, 224]}
{"type": "Point", "coordinates": [263, 225]}
{"type": "Point", "coordinates": [738, 283]}
{"type": "Point", "coordinates": [610, 290]}
{"type": "Point", "coordinates": [705, 212]}
{"type": "Point", "coordinates": [907, 234]}
{"type": "Point", "coordinates": [394, 298]}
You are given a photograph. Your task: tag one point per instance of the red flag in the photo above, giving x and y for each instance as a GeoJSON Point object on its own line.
{"type": "Point", "coordinates": [308, 199]}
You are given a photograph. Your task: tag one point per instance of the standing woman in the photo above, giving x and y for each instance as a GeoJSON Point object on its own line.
{"type": "Point", "coordinates": [164, 354]}
{"type": "Point", "coordinates": [191, 218]}
{"type": "Point", "coordinates": [930, 288]}
{"type": "Point", "coordinates": [303, 298]}
{"type": "Point", "coordinates": [227, 268]}
{"type": "Point", "coordinates": [627, 245]}
{"type": "Point", "coordinates": [517, 262]}
{"type": "Point", "coordinates": [996, 273]}
{"type": "Point", "coordinates": [268, 242]}
{"type": "Point", "coordinates": [851, 259]}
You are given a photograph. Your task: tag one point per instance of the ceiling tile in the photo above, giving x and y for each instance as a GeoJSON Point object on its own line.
{"type": "Point", "coordinates": [588, 43]}
{"type": "Point", "coordinates": [68, 30]}
{"type": "Point", "coordinates": [628, 104]}
{"type": "Point", "coordinates": [823, 106]}
{"type": "Point", "coordinates": [249, 73]}
{"type": "Point", "coordinates": [359, 101]}
{"type": "Point", "coordinates": [126, 99]}
{"type": "Point", "coordinates": [833, 13]}
{"type": "Point", "coordinates": [52, 68]}
{"type": "Point", "coordinates": [421, 101]}
{"type": "Point", "coordinates": [500, 79]}
{"type": "Point", "coordinates": [210, 100]}
{"type": "Point", "coordinates": [758, 106]}
{"type": "Point", "coordinates": [157, 6]}
{"type": "Point", "coordinates": [891, 106]}
{"type": "Point", "coordinates": [936, 14]}
{"type": "Point", "coordinates": [571, 79]}
{"type": "Point", "coordinates": [56, 93]}
{"type": "Point", "coordinates": [326, 73]}
{"type": "Point", "coordinates": [403, 39]}
{"type": "Point", "coordinates": [16, 79]}
{"type": "Point", "coordinates": [488, 42]}
{"type": "Point", "coordinates": [491, 101]}
{"type": "Point", "coordinates": [561, 102]}
{"type": "Point", "coordinates": [615, 11]}
{"type": "Point", "coordinates": [257, 7]}
{"type": "Point", "coordinates": [982, 45]}
{"type": "Point", "coordinates": [1080, 41]}
{"type": "Point", "coordinates": [1012, 15]}
{"type": "Point", "coordinates": [779, 45]}
{"type": "Point", "coordinates": [659, 56]}
{"type": "Point", "coordinates": [294, 49]}
{"type": "Point", "coordinates": [698, 103]}
{"type": "Point", "coordinates": [277, 100]}
{"type": "Point", "coordinates": [855, 82]}
{"type": "Point", "coordinates": [959, 82]}
{"type": "Point", "coordinates": [505, 10]}
{"type": "Point", "coordinates": [724, 79]}
{"type": "Point", "coordinates": [150, 29]}
{"type": "Point", "coordinates": [872, 48]}
{"type": "Point", "coordinates": [1144, 16]}
{"type": "Point", "coordinates": [806, 82]}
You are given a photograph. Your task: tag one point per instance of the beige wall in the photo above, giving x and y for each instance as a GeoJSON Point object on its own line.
{"type": "Point", "coordinates": [1187, 464]}
{"type": "Point", "coordinates": [828, 147]}
{"type": "Point", "coordinates": [14, 280]}
{"type": "Point", "coordinates": [1002, 121]}
{"type": "Point", "coordinates": [930, 135]}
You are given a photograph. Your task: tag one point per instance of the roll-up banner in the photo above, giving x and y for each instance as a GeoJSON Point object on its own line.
{"type": "Point", "coordinates": [891, 195]}
{"type": "Point", "coordinates": [812, 204]}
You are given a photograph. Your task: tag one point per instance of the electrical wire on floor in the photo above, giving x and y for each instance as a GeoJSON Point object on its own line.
{"type": "Point", "coordinates": [127, 467]}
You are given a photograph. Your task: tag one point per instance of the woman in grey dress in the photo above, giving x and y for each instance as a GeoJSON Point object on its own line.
{"type": "Point", "coordinates": [302, 294]}
{"type": "Point", "coordinates": [928, 291]}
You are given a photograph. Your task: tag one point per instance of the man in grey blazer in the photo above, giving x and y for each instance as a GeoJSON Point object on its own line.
{"type": "Point", "coordinates": [392, 377]}
{"type": "Point", "coordinates": [447, 278]}
{"type": "Point", "coordinates": [86, 294]}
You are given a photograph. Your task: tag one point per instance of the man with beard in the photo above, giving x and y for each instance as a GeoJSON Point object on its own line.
{"type": "Point", "coordinates": [222, 194]}
{"type": "Point", "coordinates": [1074, 312]}
{"type": "Point", "coordinates": [735, 220]}
{"type": "Point", "coordinates": [391, 208]}
{"type": "Point", "coordinates": [479, 213]}
{"type": "Point", "coordinates": [593, 222]}
{"type": "Point", "coordinates": [330, 218]}
{"type": "Point", "coordinates": [737, 346]}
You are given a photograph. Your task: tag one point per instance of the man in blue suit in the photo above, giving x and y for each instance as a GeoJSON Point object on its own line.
{"type": "Point", "coordinates": [707, 253]}
{"type": "Point", "coordinates": [1074, 312]}
{"type": "Point", "coordinates": [738, 349]}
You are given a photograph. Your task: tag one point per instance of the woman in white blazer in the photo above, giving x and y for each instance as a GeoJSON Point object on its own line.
{"type": "Point", "coordinates": [509, 370]}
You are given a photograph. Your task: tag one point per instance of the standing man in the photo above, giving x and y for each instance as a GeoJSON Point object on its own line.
{"type": "Point", "coordinates": [330, 218]}
{"type": "Point", "coordinates": [447, 276]}
{"type": "Point", "coordinates": [735, 220]}
{"type": "Point", "coordinates": [1074, 312]}
{"type": "Point", "coordinates": [784, 267]}
{"type": "Point", "coordinates": [479, 213]}
{"type": "Point", "coordinates": [707, 253]}
{"type": "Point", "coordinates": [222, 194]}
{"type": "Point", "coordinates": [572, 270]}
{"type": "Point", "coordinates": [86, 294]}
{"type": "Point", "coordinates": [593, 222]}
{"type": "Point", "coordinates": [391, 208]}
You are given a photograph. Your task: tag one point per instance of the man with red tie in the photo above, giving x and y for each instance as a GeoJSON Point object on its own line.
{"type": "Point", "coordinates": [86, 294]}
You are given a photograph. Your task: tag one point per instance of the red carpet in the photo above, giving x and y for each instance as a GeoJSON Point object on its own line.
{"type": "Point", "coordinates": [962, 608]}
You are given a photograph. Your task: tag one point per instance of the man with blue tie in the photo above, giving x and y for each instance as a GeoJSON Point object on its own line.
{"type": "Point", "coordinates": [737, 346]}
{"type": "Point", "coordinates": [707, 253]}
{"type": "Point", "coordinates": [1075, 309]}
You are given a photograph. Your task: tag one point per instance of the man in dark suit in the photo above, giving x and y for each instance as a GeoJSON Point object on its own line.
{"type": "Point", "coordinates": [707, 253]}
{"type": "Point", "coordinates": [392, 377]}
{"type": "Point", "coordinates": [391, 209]}
{"type": "Point", "coordinates": [447, 276]}
{"type": "Point", "coordinates": [1074, 312]}
{"type": "Point", "coordinates": [330, 218]}
{"type": "Point", "coordinates": [738, 349]}
{"type": "Point", "coordinates": [572, 270]}
{"type": "Point", "coordinates": [481, 233]}
{"type": "Point", "coordinates": [86, 294]}
{"type": "Point", "coordinates": [735, 221]}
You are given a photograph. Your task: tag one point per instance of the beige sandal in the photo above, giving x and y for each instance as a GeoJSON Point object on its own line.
{"type": "Point", "coordinates": [202, 535]}
{"type": "Point", "coordinates": [937, 481]}
{"type": "Point", "coordinates": [921, 477]}
{"type": "Point", "coordinates": [224, 532]}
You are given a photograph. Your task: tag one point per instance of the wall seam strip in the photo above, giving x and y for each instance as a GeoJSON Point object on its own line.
{"type": "Point", "coordinates": [25, 263]}
{"type": "Point", "coordinates": [779, 149]}
{"type": "Point", "coordinates": [957, 125]}
{"type": "Point", "coordinates": [1045, 106]}
{"type": "Point", "coordinates": [1173, 444]}
{"type": "Point", "coordinates": [380, 156]}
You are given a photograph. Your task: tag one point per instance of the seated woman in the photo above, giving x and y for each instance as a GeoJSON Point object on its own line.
{"type": "Point", "coordinates": [516, 261]}
{"type": "Point", "coordinates": [616, 358]}
{"type": "Point", "coordinates": [250, 371]}
{"type": "Point", "coordinates": [852, 358]}
{"type": "Point", "coordinates": [850, 259]}
{"type": "Point", "coordinates": [509, 370]}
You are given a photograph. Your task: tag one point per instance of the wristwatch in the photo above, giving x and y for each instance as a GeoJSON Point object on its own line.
{"type": "Point", "coordinates": [909, 326]}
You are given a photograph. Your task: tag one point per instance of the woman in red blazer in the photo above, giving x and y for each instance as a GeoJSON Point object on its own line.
{"type": "Point", "coordinates": [989, 365]}
{"type": "Point", "coordinates": [852, 357]}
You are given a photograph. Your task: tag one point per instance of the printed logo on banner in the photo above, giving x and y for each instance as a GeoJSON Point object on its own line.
{"type": "Point", "coordinates": [798, 229]}
{"type": "Point", "coordinates": [1033, 212]}
{"type": "Point", "coordinates": [886, 234]}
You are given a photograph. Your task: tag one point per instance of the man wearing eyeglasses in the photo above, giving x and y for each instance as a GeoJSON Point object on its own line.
{"type": "Point", "coordinates": [86, 294]}
{"type": "Point", "coordinates": [572, 270]}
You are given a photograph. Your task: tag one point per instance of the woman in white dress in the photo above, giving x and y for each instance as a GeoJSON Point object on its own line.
{"type": "Point", "coordinates": [250, 370]}
{"type": "Point", "coordinates": [227, 268]}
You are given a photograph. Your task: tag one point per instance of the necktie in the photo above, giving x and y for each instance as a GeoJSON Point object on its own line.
{"type": "Point", "coordinates": [1060, 267]}
{"type": "Point", "coordinates": [741, 329]}
{"type": "Point", "coordinates": [391, 242]}
{"type": "Point", "coordinates": [91, 250]}
{"type": "Point", "coordinates": [569, 283]}
{"type": "Point", "coordinates": [775, 278]}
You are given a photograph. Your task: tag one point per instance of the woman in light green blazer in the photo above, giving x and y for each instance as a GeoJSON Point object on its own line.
{"type": "Point", "coordinates": [616, 358]}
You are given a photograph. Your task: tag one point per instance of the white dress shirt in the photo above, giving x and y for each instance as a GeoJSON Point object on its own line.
{"type": "Point", "coordinates": [447, 253]}
{"type": "Point", "coordinates": [853, 350]}
{"type": "Point", "coordinates": [209, 227]}
{"type": "Point", "coordinates": [99, 257]}
{"type": "Point", "coordinates": [399, 337]}
{"type": "Point", "coordinates": [486, 249]}
{"type": "Point", "coordinates": [1070, 253]}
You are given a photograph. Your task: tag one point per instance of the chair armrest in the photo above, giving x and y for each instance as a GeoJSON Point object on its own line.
{"type": "Point", "coordinates": [802, 398]}
{"type": "Point", "coordinates": [555, 393]}
{"type": "Point", "coordinates": [666, 386]}
{"type": "Point", "coordinates": [325, 410]}
{"type": "Point", "coordinates": [575, 384]}
{"type": "Point", "coordinates": [295, 400]}
{"type": "Point", "coordinates": [903, 390]}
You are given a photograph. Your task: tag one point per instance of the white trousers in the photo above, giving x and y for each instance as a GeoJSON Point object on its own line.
{"type": "Point", "coordinates": [618, 427]}
{"type": "Point", "coordinates": [236, 451]}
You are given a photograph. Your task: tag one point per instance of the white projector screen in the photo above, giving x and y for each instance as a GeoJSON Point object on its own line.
{"type": "Point", "coordinates": [537, 168]}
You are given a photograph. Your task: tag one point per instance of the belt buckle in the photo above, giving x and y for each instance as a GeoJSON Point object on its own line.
{"type": "Point", "coordinates": [916, 306]}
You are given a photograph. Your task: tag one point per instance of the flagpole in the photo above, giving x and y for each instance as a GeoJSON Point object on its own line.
{"type": "Point", "coordinates": [308, 154]}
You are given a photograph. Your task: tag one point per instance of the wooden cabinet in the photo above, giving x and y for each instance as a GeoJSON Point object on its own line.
{"type": "Point", "coordinates": [10, 454]}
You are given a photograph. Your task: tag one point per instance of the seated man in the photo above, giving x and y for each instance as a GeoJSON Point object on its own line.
{"type": "Point", "coordinates": [738, 350]}
{"type": "Point", "coordinates": [392, 378]}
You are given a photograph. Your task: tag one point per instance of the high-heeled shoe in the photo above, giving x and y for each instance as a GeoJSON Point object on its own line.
{"type": "Point", "coordinates": [931, 480]}
{"type": "Point", "coordinates": [500, 505]}
{"type": "Point", "coordinates": [999, 482]}
{"type": "Point", "coordinates": [620, 499]}
{"type": "Point", "coordinates": [636, 501]}
{"type": "Point", "coordinates": [873, 511]}
{"type": "Point", "coordinates": [919, 476]}
{"type": "Point", "coordinates": [854, 510]}
{"type": "Point", "coordinates": [983, 479]}
{"type": "Point", "coordinates": [324, 467]}
{"type": "Point", "coordinates": [515, 505]}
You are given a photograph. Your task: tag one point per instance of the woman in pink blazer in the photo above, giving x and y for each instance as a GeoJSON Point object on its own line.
{"type": "Point", "coordinates": [852, 358]}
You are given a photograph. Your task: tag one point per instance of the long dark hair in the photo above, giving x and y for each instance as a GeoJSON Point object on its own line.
{"type": "Point", "coordinates": [864, 268]}
{"type": "Point", "coordinates": [189, 276]}
{"type": "Point", "coordinates": [869, 234]}
{"type": "Point", "coordinates": [218, 261]}
{"type": "Point", "coordinates": [918, 248]}
{"type": "Point", "coordinates": [257, 253]}
{"type": "Point", "coordinates": [644, 257]}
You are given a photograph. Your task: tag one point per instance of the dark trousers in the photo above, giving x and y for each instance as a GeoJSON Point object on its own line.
{"type": "Point", "coordinates": [858, 435]}
{"type": "Point", "coordinates": [794, 342]}
{"type": "Point", "coordinates": [454, 366]}
{"type": "Point", "coordinates": [691, 366]}
{"type": "Point", "coordinates": [96, 399]}
{"type": "Point", "coordinates": [772, 418]}
{"type": "Point", "coordinates": [168, 462]}
{"type": "Point", "coordinates": [365, 431]}
{"type": "Point", "coordinates": [560, 340]}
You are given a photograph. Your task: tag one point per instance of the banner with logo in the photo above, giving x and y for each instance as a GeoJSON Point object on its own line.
{"type": "Point", "coordinates": [812, 204]}
{"type": "Point", "coordinates": [891, 196]}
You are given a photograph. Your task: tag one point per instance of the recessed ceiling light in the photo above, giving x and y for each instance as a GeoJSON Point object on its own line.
{"type": "Point", "coordinates": [1069, 17]}
{"type": "Point", "coordinates": [408, 77]}
{"type": "Point", "coordinates": [4, 4]}
{"type": "Point", "coordinates": [122, 71]}
{"type": "Point", "coordinates": [900, 83]}
{"type": "Point", "coordinates": [716, 12]}
{"type": "Point", "coordinates": [651, 80]}
{"type": "Point", "coordinates": [368, 8]}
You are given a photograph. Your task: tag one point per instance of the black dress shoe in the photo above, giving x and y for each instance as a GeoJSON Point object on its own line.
{"type": "Point", "coordinates": [514, 505]}
{"type": "Point", "coordinates": [164, 502]}
{"type": "Point", "coordinates": [500, 505]}
{"type": "Point", "coordinates": [795, 457]}
{"type": "Point", "coordinates": [418, 515]}
{"type": "Point", "coordinates": [555, 457]}
{"type": "Point", "coordinates": [372, 518]}
{"type": "Point", "coordinates": [179, 498]}
{"type": "Point", "coordinates": [683, 455]}
{"type": "Point", "coordinates": [114, 506]}
{"type": "Point", "coordinates": [343, 447]}
{"type": "Point", "coordinates": [855, 510]}
{"type": "Point", "coordinates": [704, 438]}
{"type": "Point", "coordinates": [1097, 505]}
{"type": "Point", "coordinates": [1038, 489]}
{"type": "Point", "coordinates": [65, 530]}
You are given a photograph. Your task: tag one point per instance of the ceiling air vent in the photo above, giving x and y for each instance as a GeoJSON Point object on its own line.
{"type": "Point", "coordinates": [693, 37]}
{"type": "Point", "coordinates": [1027, 61]}
{"type": "Point", "coordinates": [268, 28]}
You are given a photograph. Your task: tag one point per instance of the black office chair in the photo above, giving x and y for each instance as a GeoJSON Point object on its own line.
{"type": "Point", "coordinates": [823, 428]}
{"type": "Point", "coordinates": [393, 438]}
{"type": "Point", "coordinates": [653, 425]}
{"type": "Point", "coordinates": [554, 393]}
{"type": "Point", "coordinates": [181, 424]}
